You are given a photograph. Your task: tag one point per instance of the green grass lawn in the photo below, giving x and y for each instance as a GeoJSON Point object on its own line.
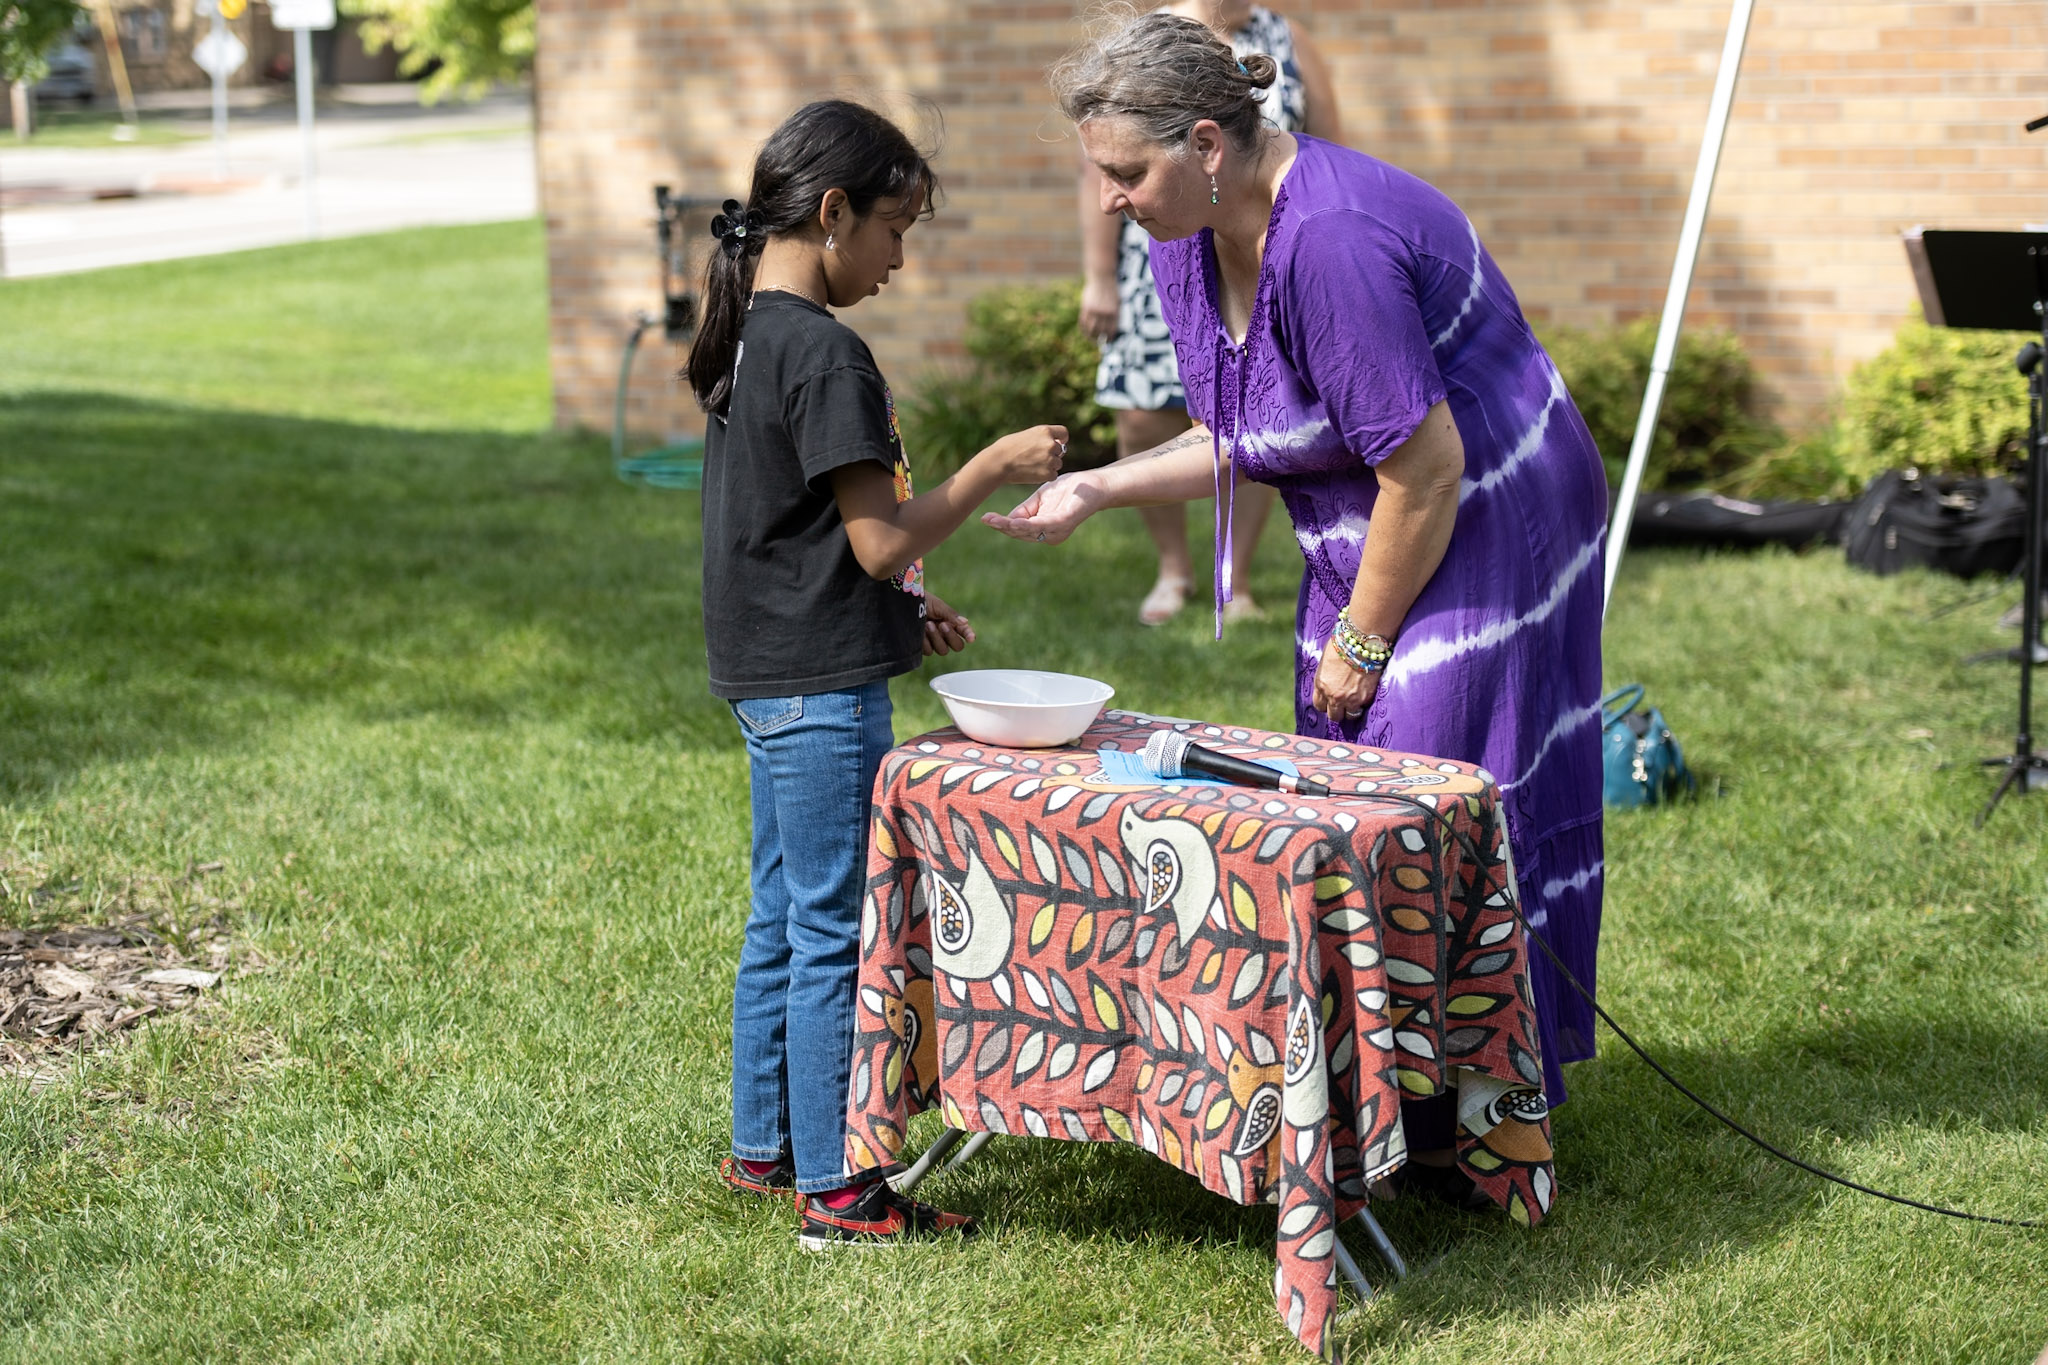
{"type": "Point", "coordinates": [292, 576]}
{"type": "Point", "coordinates": [75, 127]}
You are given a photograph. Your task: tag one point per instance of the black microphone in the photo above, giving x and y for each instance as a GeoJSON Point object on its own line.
{"type": "Point", "coordinates": [1169, 754]}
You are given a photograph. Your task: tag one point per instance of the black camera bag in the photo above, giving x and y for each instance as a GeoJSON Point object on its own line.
{"type": "Point", "coordinates": [1960, 526]}
{"type": "Point", "coordinates": [1709, 519]}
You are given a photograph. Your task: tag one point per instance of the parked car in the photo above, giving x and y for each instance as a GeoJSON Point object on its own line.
{"type": "Point", "coordinates": [71, 74]}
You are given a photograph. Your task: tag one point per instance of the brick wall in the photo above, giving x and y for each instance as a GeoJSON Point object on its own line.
{"type": "Point", "coordinates": [1567, 130]}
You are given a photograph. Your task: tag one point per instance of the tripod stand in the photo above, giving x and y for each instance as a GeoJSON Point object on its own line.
{"type": "Point", "coordinates": [2023, 765]}
{"type": "Point", "coordinates": [1999, 281]}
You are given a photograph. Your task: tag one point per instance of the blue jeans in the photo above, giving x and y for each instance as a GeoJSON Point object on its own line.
{"type": "Point", "coordinates": [811, 764]}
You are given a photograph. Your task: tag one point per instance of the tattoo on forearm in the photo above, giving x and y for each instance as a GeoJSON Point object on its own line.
{"type": "Point", "coordinates": [1180, 442]}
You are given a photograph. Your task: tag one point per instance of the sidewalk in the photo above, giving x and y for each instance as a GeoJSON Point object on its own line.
{"type": "Point", "coordinates": [381, 162]}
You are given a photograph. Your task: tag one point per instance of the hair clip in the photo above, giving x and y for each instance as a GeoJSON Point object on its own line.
{"type": "Point", "coordinates": [739, 230]}
{"type": "Point", "coordinates": [1243, 70]}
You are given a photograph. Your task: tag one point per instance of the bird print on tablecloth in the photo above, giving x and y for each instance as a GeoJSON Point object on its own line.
{"type": "Point", "coordinates": [972, 929]}
{"type": "Point", "coordinates": [1516, 1129]}
{"type": "Point", "coordinates": [1176, 866]}
{"type": "Point", "coordinates": [1307, 1076]}
{"type": "Point", "coordinates": [909, 1017]}
{"type": "Point", "coordinates": [1257, 1092]}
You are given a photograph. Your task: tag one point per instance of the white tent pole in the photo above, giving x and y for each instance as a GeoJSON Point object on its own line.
{"type": "Point", "coordinates": [302, 69]}
{"type": "Point", "coordinates": [1681, 285]}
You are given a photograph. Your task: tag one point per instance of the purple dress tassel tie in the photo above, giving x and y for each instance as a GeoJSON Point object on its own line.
{"type": "Point", "coordinates": [1224, 540]}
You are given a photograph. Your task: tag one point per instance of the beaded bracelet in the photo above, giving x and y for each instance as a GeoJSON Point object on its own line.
{"type": "Point", "coordinates": [1366, 653]}
{"type": "Point", "coordinates": [1356, 660]}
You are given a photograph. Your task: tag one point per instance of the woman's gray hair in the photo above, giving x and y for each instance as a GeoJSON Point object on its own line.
{"type": "Point", "coordinates": [1166, 74]}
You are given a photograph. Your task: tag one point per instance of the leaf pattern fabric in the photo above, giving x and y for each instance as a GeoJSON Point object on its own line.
{"type": "Point", "coordinates": [1244, 983]}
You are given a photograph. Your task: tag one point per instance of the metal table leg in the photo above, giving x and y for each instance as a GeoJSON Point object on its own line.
{"type": "Point", "coordinates": [1349, 1268]}
{"type": "Point", "coordinates": [906, 1181]}
{"type": "Point", "coordinates": [1383, 1244]}
{"type": "Point", "coordinates": [966, 1154]}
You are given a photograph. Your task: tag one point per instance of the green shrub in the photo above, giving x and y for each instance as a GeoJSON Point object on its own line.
{"type": "Point", "coordinates": [1943, 400]}
{"type": "Point", "coordinates": [1029, 362]}
{"type": "Point", "coordinates": [1815, 467]}
{"type": "Point", "coordinates": [1706, 429]}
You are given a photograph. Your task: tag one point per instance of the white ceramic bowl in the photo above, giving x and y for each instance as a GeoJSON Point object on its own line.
{"type": "Point", "coordinates": [1022, 708]}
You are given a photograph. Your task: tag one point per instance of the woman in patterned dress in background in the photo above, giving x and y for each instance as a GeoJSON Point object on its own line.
{"type": "Point", "coordinates": [1345, 338]}
{"type": "Point", "coordinates": [1120, 309]}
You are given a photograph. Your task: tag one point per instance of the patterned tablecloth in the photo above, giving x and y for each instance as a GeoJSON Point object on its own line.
{"type": "Point", "coordinates": [1242, 982]}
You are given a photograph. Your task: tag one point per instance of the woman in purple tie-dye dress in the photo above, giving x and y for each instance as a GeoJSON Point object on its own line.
{"type": "Point", "coordinates": [1344, 337]}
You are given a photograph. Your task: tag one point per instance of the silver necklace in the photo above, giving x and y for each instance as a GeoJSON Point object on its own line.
{"type": "Point", "coordinates": [785, 289]}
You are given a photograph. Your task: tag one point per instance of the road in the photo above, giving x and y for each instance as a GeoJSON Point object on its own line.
{"type": "Point", "coordinates": [380, 164]}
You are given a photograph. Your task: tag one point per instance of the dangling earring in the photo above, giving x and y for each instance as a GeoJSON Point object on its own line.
{"type": "Point", "coordinates": [1212, 190]}
{"type": "Point", "coordinates": [828, 241]}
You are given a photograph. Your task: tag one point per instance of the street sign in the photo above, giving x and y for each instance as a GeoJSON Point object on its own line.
{"type": "Point", "coordinates": [302, 13]}
{"type": "Point", "coordinates": [220, 53]}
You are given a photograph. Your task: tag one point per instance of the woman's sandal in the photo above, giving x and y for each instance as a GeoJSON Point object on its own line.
{"type": "Point", "coordinates": [1242, 608]}
{"type": "Point", "coordinates": [1164, 602]}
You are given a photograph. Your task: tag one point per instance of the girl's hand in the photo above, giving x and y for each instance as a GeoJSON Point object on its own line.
{"type": "Point", "coordinates": [1342, 692]}
{"type": "Point", "coordinates": [1050, 514]}
{"type": "Point", "coordinates": [1031, 456]}
{"type": "Point", "coordinates": [945, 631]}
{"type": "Point", "coordinates": [1101, 309]}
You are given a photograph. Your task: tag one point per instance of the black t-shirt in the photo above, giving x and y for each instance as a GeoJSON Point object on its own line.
{"type": "Point", "coordinates": [788, 610]}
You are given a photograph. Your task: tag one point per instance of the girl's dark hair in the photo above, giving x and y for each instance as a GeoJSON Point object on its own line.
{"type": "Point", "coordinates": [832, 144]}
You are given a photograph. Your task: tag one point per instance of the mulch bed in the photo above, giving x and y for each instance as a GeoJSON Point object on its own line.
{"type": "Point", "coordinates": [74, 983]}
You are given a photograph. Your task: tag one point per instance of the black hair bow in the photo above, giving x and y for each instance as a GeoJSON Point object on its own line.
{"type": "Point", "coordinates": [739, 230]}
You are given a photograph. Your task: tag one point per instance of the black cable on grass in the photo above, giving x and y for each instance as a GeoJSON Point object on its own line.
{"type": "Point", "coordinates": [1974, 598]}
{"type": "Point", "coordinates": [1472, 850]}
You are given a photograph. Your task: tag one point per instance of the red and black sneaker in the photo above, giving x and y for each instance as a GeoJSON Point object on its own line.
{"type": "Point", "coordinates": [778, 1182]}
{"type": "Point", "coordinates": [878, 1216]}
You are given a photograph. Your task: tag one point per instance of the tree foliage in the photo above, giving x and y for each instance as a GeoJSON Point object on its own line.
{"type": "Point", "coordinates": [471, 44]}
{"type": "Point", "coordinates": [28, 30]}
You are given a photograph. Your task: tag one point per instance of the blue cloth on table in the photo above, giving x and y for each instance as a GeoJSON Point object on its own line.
{"type": "Point", "coordinates": [1129, 770]}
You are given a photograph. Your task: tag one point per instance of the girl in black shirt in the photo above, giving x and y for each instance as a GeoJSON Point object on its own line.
{"type": "Point", "coordinates": [813, 599]}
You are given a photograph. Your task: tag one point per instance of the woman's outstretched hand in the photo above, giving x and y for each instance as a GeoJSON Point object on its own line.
{"type": "Point", "coordinates": [1051, 513]}
{"type": "Point", "coordinates": [1342, 692]}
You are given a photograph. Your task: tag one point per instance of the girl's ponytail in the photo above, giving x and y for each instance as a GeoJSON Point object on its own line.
{"type": "Point", "coordinates": [728, 282]}
{"type": "Point", "coordinates": [832, 144]}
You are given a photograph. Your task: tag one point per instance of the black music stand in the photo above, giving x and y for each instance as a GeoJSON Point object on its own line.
{"type": "Point", "coordinates": [1999, 281]}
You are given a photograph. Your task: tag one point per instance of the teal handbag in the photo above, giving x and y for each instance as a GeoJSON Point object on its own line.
{"type": "Point", "coordinates": [1640, 761]}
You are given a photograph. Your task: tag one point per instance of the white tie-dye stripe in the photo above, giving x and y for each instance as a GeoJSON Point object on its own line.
{"type": "Point", "coordinates": [1471, 296]}
{"type": "Point", "coordinates": [1349, 531]}
{"type": "Point", "coordinates": [1525, 449]}
{"type": "Point", "coordinates": [1577, 882]}
{"type": "Point", "coordinates": [1566, 723]}
{"type": "Point", "coordinates": [1421, 656]}
{"type": "Point", "coordinates": [1262, 443]}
